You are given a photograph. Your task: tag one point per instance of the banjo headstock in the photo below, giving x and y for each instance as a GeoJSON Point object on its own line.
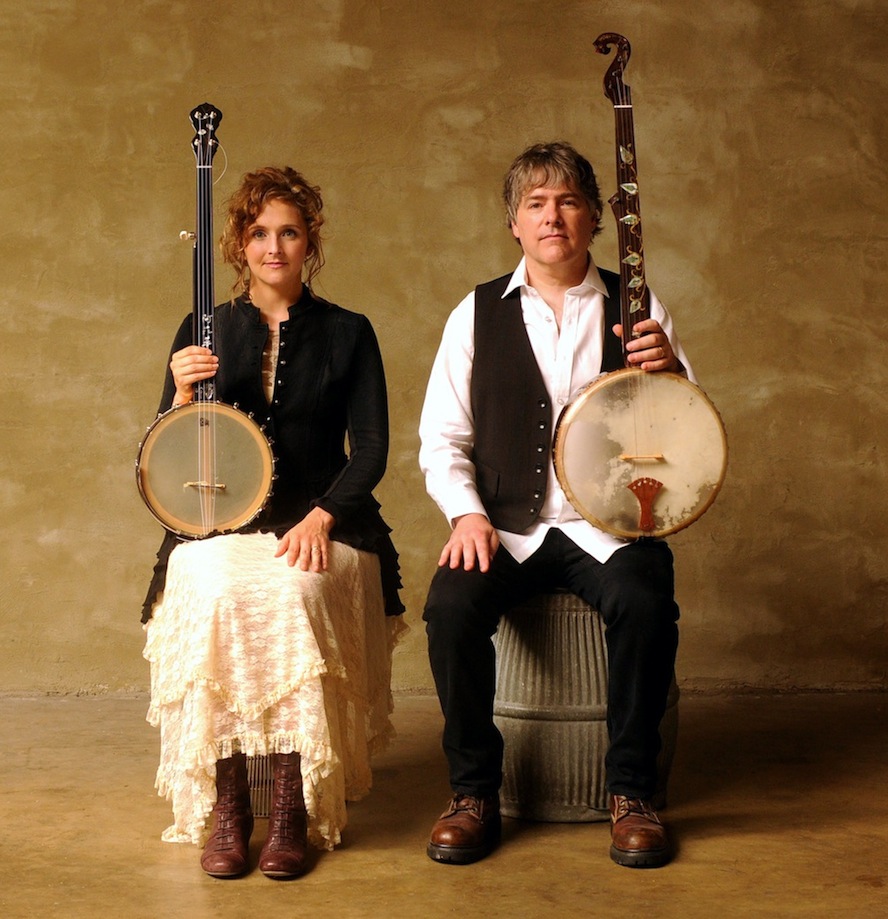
{"type": "Point", "coordinates": [614, 87]}
{"type": "Point", "coordinates": [205, 119]}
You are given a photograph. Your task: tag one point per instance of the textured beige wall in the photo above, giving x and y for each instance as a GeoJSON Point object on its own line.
{"type": "Point", "coordinates": [760, 129]}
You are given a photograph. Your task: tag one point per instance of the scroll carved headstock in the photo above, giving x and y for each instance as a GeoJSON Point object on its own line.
{"type": "Point", "coordinates": [614, 87]}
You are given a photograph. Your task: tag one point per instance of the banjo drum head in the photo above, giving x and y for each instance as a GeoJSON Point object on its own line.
{"type": "Point", "coordinates": [172, 468]}
{"type": "Point", "coordinates": [630, 427]}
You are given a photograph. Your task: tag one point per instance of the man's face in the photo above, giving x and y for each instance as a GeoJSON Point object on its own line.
{"type": "Point", "coordinates": [554, 226]}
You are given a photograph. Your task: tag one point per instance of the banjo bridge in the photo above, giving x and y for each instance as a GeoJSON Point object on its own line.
{"type": "Point", "coordinates": [642, 457]}
{"type": "Point", "coordinates": [205, 485]}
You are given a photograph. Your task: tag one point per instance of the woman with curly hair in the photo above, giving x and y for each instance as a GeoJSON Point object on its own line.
{"type": "Point", "coordinates": [274, 640]}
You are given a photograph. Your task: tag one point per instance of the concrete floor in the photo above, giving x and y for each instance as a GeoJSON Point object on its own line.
{"type": "Point", "coordinates": [778, 804]}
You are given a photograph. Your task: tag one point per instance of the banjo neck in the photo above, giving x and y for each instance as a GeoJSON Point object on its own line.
{"type": "Point", "coordinates": [205, 120]}
{"type": "Point", "coordinates": [626, 205]}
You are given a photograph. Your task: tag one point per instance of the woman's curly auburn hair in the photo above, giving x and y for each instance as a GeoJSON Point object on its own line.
{"type": "Point", "coordinates": [256, 190]}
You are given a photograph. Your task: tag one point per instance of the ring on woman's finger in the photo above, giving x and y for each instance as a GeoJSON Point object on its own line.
{"type": "Point", "coordinates": [315, 549]}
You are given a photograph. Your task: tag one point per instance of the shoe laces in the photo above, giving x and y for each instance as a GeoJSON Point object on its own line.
{"type": "Point", "coordinates": [477, 807]}
{"type": "Point", "coordinates": [625, 807]}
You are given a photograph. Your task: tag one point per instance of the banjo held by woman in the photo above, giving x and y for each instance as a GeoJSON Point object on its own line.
{"type": "Point", "coordinates": [637, 453]}
{"type": "Point", "coordinates": [204, 468]}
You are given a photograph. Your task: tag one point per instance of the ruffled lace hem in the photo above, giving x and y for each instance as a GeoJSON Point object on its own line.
{"type": "Point", "coordinates": [278, 661]}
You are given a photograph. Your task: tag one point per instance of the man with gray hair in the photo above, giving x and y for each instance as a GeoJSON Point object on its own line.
{"type": "Point", "coordinates": [514, 352]}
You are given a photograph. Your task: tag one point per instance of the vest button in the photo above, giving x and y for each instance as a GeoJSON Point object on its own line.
{"type": "Point", "coordinates": [533, 510]}
{"type": "Point", "coordinates": [543, 404]}
{"type": "Point", "coordinates": [540, 448]}
{"type": "Point", "coordinates": [538, 468]}
{"type": "Point", "coordinates": [538, 494]}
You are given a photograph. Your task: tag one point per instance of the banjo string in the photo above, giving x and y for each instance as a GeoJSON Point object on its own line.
{"type": "Point", "coordinates": [642, 396]}
{"type": "Point", "coordinates": [204, 292]}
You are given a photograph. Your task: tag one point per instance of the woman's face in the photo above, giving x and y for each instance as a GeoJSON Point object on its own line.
{"type": "Point", "coordinates": [275, 249]}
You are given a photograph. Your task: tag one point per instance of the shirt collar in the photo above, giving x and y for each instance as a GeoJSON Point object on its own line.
{"type": "Point", "coordinates": [592, 279]}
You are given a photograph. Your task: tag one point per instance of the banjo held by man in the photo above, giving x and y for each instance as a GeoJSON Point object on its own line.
{"type": "Point", "coordinates": [637, 454]}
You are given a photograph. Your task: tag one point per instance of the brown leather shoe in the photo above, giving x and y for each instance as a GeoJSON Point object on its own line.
{"type": "Point", "coordinates": [226, 852]}
{"type": "Point", "coordinates": [283, 855]}
{"type": "Point", "coordinates": [638, 839]}
{"type": "Point", "coordinates": [467, 831]}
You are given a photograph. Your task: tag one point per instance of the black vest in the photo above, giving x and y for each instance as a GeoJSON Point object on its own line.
{"type": "Point", "coordinates": [511, 407]}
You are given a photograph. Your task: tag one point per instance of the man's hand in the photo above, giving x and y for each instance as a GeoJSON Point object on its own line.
{"type": "Point", "coordinates": [651, 350]}
{"type": "Point", "coordinates": [472, 541]}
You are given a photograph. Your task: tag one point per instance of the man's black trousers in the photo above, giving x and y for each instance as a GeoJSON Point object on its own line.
{"type": "Point", "coordinates": [633, 592]}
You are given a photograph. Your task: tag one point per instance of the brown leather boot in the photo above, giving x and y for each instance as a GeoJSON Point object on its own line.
{"type": "Point", "coordinates": [283, 855]}
{"type": "Point", "coordinates": [226, 854]}
{"type": "Point", "coordinates": [638, 839]}
{"type": "Point", "coordinates": [467, 831]}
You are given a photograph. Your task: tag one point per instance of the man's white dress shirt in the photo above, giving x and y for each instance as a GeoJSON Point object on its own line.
{"type": "Point", "coordinates": [568, 359]}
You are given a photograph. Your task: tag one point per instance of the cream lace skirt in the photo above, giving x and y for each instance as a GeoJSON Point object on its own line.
{"type": "Point", "coordinates": [250, 655]}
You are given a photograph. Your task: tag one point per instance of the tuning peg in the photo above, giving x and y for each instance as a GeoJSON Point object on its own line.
{"type": "Point", "coordinates": [187, 234]}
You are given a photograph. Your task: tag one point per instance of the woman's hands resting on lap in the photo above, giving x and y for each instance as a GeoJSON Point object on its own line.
{"type": "Point", "coordinates": [308, 543]}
